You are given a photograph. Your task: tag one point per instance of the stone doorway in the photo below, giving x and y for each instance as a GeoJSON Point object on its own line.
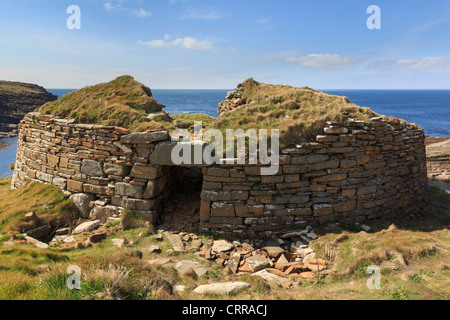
{"type": "Point", "coordinates": [181, 211]}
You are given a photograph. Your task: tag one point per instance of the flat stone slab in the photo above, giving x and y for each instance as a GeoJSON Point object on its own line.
{"type": "Point", "coordinates": [257, 263]}
{"type": "Point", "coordinates": [268, 276]}
{"type": "Point", "coordinates": [273, 249]}
{"type": "Point", "coordinates": [176, 242]}
{"type": "Point", "coordinates": [187, 265]}
{"type": "Point", "coordinates": [293, 234]}
{"type": "Point", "coordinates": [86, 226]}
{"type": "Point", "coordinates": [222, 288]}
{"type": "Point", "coordinates": [160, 262]}
{"type": "Point", "coordinates": [162, 155]}
{"type": "Point", "coordinates": [37, 243]}
{"type": "Point", "coordinates": [222, 246]}
{"type": "Point", "coordinates": [144, 137]}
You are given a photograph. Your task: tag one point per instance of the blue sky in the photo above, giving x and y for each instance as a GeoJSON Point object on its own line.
{"type": "Point", "coordinates": [217, 44]}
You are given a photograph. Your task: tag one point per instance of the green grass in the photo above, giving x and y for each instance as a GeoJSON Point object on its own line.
{"type": "Point", "coordinates": [122, 102]}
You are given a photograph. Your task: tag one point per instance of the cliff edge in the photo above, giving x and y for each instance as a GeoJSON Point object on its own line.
{"type": "Point", "coordinates": [16, 100]}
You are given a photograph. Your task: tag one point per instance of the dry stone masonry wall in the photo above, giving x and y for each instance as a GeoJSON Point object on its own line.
{"type": "Point", "coordinates": [352, 173]}
{"type": "Point", "coordinates": [105, 167]}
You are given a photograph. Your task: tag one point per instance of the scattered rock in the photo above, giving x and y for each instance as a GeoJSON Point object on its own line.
{"type": "Point", "coordinates": [270, 277]}
{"type": "Point", "coordinates": [294, 234]}
{"type": "Point", "coordinates": [154, 249]}
{"type": "Point", "coordinates": [307, 275]}
{"type": "Point", "coordinates": [315, 267]}
{"type": "Point", "coordinates": [273, 249]}
{"type": "Point", "coordinates": [158, 237]}
{"type": "Point", "coordinates": [62, 231]}
{"type": "Point", "coordinates": [392, 228]}
{"type": "Point", "coordinates": [309, 257]}
{"type": "Point", "coordinates": [318, 261]}
{"type": "Point", "coordinates": [248, 247]}
{"type": "Point", "coordinates": [160, 262]}
{"type": "Point", "coordinates": [86, 226]}
{"type": "Point", "coordinates": [118, 242]}
{"type": "Point", "coordinates": [258, 262]}
{"type": "Point", "coordinates": [311, 235]}
{"type": "Point", "coordinates": [233, 263]}
{"type": "Point", "coordinates": [282, 260]}
{"type": "Point", "coordinates": [70, 239]}
{"type": "Point", "coordinates": [195, 245]}
{"type": "Point", "coordinates": [222, 288]}
{"type": "Point", "coordinates": [37, 243]}
{"type": "Point", "coordinates": [179, 288]}
{"type": "Point", "coordinates": [176, 242]}
{"type": "Point", "coordinates": [222, 246]}
{"type": "Point", "coordinates": [97, 237]}
{"type": "Point", "coordinates": [276, 272]}
{"type": "Point", "coordinates": [30, 216]}
{"type": "Point", "coordinates": [187, 266]}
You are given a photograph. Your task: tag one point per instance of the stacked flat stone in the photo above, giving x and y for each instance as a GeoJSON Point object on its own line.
{"type": "Point", "coordinates": [351, 173]}
{"type": "Point", "coordinates": [107, 162]}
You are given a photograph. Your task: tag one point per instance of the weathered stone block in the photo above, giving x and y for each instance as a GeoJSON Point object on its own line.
{"type": "Point", "coordinates": [332, 164]}
{"type": "Point", "coordinates": [145, 137]}
{"type": "Point", "coordinates": [313, 158]}
{"type": "Point", "coordinates": [344, 206]}
{"type": "Point", "coordinates": [220, 209]}
{"type": "Point", "coordinates": [92, 168]}
{"type": "Point", "coordinates": [145, 172]}
{"type": "Point", "coordinates": [74, 186]}
{"type": "Point", "coordinates": [367, 190]}
{"type": "Point", "coordinates": [116, 169]}
{"type": "Point", "coordinates": [129, 190]}
{"type": "Point", "coordinates": [322, 209]}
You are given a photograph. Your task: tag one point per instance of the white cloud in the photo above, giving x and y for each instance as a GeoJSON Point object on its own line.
{"type": "Point", "coordinates": [188, 43]}
{"type": "Point", "coordinates": [429, 64]}
{"type": "Point", "coordinates": [323, 60]}
{"type": "Point", "coordinates": [116, 6]}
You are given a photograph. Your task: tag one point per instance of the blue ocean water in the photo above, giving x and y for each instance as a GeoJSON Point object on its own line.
{"type": "Point", "coordinates": [7, 156]}
{"type": "Point", "coordinates": [430, 109]}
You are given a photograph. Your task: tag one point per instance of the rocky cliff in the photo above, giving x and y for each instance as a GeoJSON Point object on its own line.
{"type": "Point", "coordinates": [16, 100]}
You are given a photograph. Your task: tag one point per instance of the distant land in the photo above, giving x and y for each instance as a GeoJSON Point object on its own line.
{"type": "Point", "coordinates": [16, 100]}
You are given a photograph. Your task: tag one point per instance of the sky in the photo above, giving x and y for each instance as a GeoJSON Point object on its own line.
{"type": "Point", "coordinates": [216, 44]}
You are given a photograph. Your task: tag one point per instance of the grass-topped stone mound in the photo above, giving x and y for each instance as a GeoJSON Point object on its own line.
{"type": "Point", "coordinates": [299, 113]}
{"type": "Point", "coordinates": [123, 102]}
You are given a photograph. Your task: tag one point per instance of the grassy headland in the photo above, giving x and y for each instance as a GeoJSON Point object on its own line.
{"type": "Point", "coordinates": [415, 254]}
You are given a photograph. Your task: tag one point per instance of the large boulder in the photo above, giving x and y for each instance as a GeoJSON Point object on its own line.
{"type": "Point", "coordinates": [82, 201]}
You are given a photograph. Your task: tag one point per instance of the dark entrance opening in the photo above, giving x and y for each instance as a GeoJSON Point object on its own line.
{"type": "Point", "coordinates": [181, 211]}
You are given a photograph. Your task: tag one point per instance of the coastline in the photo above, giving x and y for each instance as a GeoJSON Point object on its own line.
{"type": "Point", "coordinates": [438, 161]}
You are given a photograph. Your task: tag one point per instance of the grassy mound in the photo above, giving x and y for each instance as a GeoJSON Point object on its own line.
{"type": "Point", "coordinates": [48, 202]}
{"type": "Point", "coordinates": [123, 102]}
{"type": "Point", "coordinates": [299, 113]}
{"type": "Point", "coordinates": [186, 121]}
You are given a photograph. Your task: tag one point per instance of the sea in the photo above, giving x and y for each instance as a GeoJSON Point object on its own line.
{"type": "Point", "coordinates": [430, 109]}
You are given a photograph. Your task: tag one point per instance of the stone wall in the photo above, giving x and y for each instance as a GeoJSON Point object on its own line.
{"type": "Point", "coordinates": [351, 173]}
{"type": "Point", "coordinates": [103, 166]}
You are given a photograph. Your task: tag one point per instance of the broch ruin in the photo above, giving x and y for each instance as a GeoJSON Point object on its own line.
{"type": "Point", "coordinates": [350, 170]}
